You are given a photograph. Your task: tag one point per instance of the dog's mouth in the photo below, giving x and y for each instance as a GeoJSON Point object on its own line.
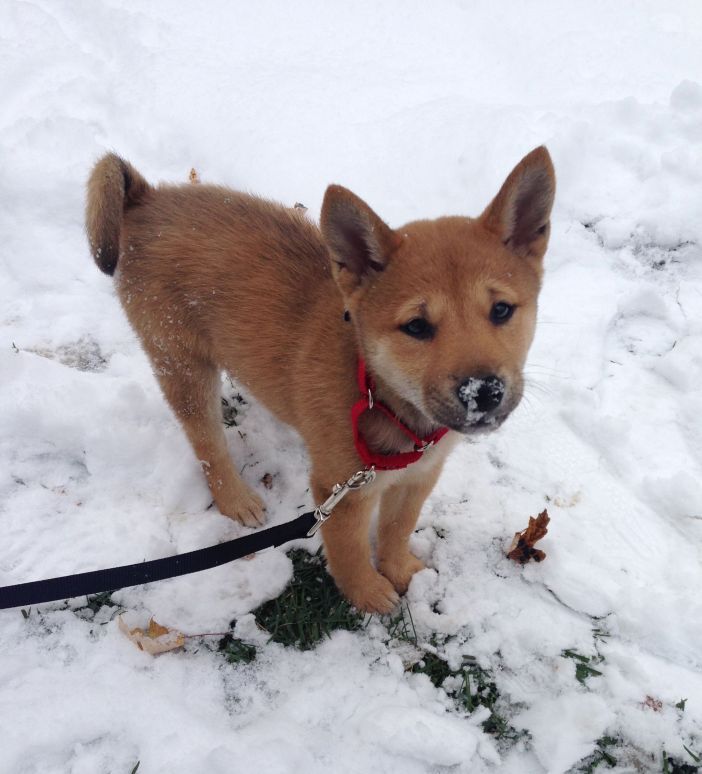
{"type": "Point", "coordinates": [472, 422]}
{"type": "Point", "coordinates": [484, 424]}
{"type": "Point", "coordinates": [477, 425]}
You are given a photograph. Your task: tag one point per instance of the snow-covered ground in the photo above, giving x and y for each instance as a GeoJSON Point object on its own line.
{"type": "Point", "coordinates": [422, 109]}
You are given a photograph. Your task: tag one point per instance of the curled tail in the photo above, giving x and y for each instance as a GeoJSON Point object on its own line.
{"type": "Point", "coordinates": [113, 185]}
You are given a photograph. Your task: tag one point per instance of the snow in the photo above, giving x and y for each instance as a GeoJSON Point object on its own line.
{"type": "Point", "coordinates": [468, 393]}
{"type": "Point", "coordinates": [564, 727]}
{"type": "Point", "coordinates": [422, 109]}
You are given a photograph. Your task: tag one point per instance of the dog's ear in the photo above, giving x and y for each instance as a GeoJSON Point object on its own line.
{"type": "Point", "coordinates": [520, 213]}
{"type": "Point", "coordinates": [359, 242]}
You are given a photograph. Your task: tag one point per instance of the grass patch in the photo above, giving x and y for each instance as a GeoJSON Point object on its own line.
{"type": "Point", "coordinates": [696, 758]}
{"type": "Point", "coordinates": [470, 686]}
{"type": "Point", "coordinates": [236, 651]}
{"type": "Point", "coordinates": [99, 609]}
{"type": "Point", "coordinates": [310, 608]}
{"type": "Point", "coordinates": [601, 756]}
{"type": "Point", "coordinates": [675, 766]}
{"type": "Point", "coordinates": [401, 626]}
{"type": "Point", "coordinates": [583, 665]}
{"type": "Point", "coordinates": [98, 601]}
{"type": "Point", "coordinates": [93, 605]}
{"type": "Point", "coordinates": [612, 751]}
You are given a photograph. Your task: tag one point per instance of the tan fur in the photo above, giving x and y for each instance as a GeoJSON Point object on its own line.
{"type": "Point", "coordinates": [212, 279]}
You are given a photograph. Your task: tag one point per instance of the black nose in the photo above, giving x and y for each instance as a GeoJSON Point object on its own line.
{"type": "Point", "coordinates": [482, 393]}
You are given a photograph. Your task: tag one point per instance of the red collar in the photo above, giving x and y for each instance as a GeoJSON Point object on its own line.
{"type": "Point", "coordinates": [385, 461]}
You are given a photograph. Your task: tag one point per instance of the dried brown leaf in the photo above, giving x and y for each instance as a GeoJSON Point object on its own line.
{"type": "Point", "coordinates": [156, 639]}
{"type": "Point", "coordinates": [155, 629]}
{"type": "Point", "coordinates": [655, 704]}
{"type": "Point", "coordinates": [522, 548]}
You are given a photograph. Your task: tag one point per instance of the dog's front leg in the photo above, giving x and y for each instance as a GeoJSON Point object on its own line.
{"type": "Point", "coordinates": [347, 548]}
{"type": "Point", "coordinates": [399, 510]}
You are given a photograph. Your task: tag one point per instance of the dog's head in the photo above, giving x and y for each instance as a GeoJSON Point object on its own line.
{"type": "Point", "coordinates": [445, 309]}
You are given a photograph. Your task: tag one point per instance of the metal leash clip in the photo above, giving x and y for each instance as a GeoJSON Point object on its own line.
{"type": "Point", "coordinates": [339, 491]}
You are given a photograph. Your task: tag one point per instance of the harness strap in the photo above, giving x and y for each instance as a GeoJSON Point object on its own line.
{"type": "Point", "coordinates": [67, 586]}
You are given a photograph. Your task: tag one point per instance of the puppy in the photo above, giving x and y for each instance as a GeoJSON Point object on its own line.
{"type": "Point", "coordinates": [440, 314]}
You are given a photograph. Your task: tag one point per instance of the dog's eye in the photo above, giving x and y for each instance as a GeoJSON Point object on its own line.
{"type": "Point", "coordinates": [501, 312]}
{"type": "Point", "coordinates": [418, 328]}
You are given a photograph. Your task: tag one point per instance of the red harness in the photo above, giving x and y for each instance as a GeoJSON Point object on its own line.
{"type": "Point", "coordinates": [385, 461]}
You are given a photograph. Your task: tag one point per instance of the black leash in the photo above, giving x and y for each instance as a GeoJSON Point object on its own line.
{"type": "Point", "coordinates": [35, 592]}
{"type": "Point", "coordinates": [97, 581]}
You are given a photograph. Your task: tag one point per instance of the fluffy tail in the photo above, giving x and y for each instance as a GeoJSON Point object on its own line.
{"type": "Point", "coordinates": [113, 185]}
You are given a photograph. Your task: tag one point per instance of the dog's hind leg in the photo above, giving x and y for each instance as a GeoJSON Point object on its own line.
{"type": "Point", "coordinates": [192, 387]}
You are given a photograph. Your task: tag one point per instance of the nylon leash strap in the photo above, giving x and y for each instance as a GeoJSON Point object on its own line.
{"type": "Point", "coordinates": [97, 581]}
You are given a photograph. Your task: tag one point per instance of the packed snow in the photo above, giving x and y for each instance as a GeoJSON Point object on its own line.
{"type": "Point", "coordinates": [422, 109]}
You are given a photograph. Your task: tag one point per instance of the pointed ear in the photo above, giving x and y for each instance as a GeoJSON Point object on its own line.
{"type": "Point", "coordinates": [359, 243]}
{"type": "Point", "coordinates": [520, 213]}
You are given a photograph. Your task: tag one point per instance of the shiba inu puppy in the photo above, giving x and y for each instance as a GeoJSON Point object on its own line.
{"type": "Point", "coordinates": [439, 314]}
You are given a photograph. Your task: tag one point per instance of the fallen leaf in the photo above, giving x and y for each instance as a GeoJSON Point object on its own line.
{"type": "Point", "coordinates": [522, 548]}
{"type": "Point", "coordinates": [655, 704]}
{"type": "Point", "coordinates": [193, 177]}
{"type": "Point", "coordinates": [155, 629]}
{"type": "Point", "coordinates": [156, 639]}
{"type": "Point", "coordinates": [267, 481]}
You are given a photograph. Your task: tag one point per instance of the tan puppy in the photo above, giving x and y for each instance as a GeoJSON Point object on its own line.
{"type": "Point", "coordinates": [443, 311]}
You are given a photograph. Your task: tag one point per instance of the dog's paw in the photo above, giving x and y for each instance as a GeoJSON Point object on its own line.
{"type": "Point", "coordinates": [245, 507]}
{"type": "Point", "coordinates": [400, 568]}
{"type": "Point", "coordinates": [372, 594]}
